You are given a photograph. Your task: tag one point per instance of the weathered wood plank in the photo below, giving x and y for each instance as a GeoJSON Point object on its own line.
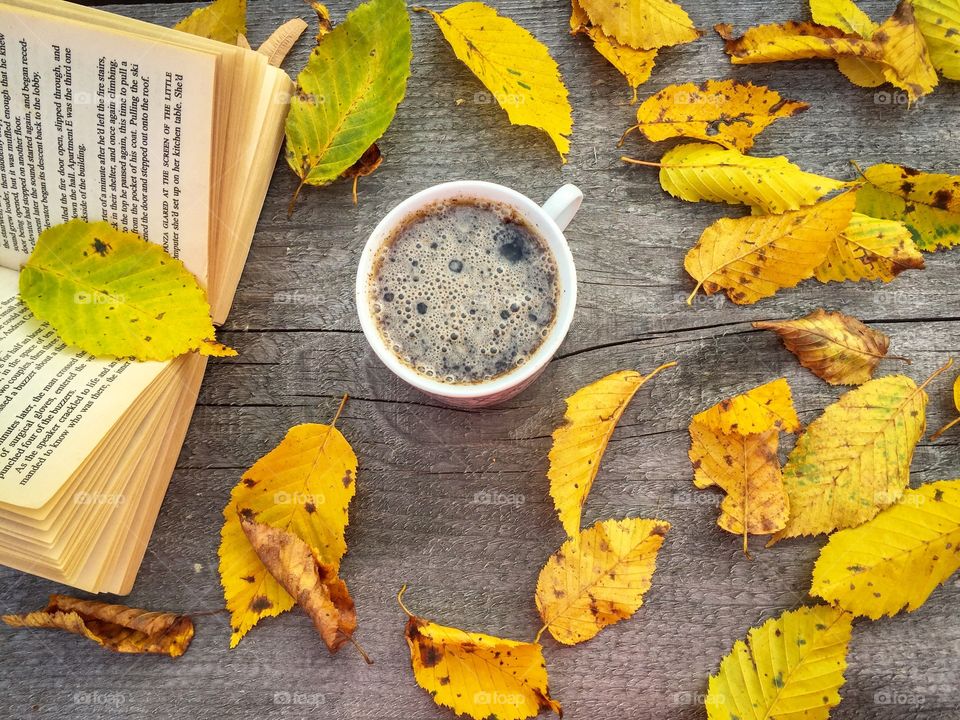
{"type": "Point", "coordinates": [421, 516]}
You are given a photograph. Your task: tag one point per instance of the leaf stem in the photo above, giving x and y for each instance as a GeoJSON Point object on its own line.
{"type": "Point", "coordinates": [946, 427]}
{"type": "Point", "coordinates": [359, 647]}
{"type": "Point", "coordinates": [336, 417]}
{"type": "Point", "coordinates": [296, 195]}
{"type": "Point", "coordinates": [626, 133]}
{"type": "Point", "coordinates": [937, 372]}
{"type": "Point", "coordinates": [645, 163]}
{"type": "Point", "coordinates": [400, 600]}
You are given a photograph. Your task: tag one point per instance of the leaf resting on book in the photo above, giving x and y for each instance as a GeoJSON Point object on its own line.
{"type": "Point", "coordinates": [115, 627]}
{"type": "Point", "coordinates": [223, 20]}
{"type": "Point", "coordinates": [112, 294]}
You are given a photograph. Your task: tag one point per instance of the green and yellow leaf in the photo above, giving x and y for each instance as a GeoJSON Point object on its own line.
{"type": "Point", "coordinates": [835, 347]}
{"type": "Point", "coordinates": [939, 22]}
{"type": "Point", "coordinates": [704, 171]}
{"type": "Point", "coordinates": [578, 444]}
{"type": "Point", "coordinates": [598, 577]}
{"type": "Point", "coordinates": [753, 257]}
{"type": "Point", "coordinates": [514, 66]}
{"type": "Point", "coordinates": [927, 203]}
{"type": "Point", "coordinates": [223, 20]}
{"type": "Point", "coordinates": [854, 460]}
{"type": "Point", "coordinates": [642, 24]}
{"type": "Point", "coordinates": [349, 91]}
{"type": "Point", "coordinates": [791, 667]}
{"type": "Point", "coordinates": [303, 486]}
{"type": "Point", "coordinates": [479, 675]}
{"type": "Point", "coordinates": [870, 249]}
{"type": "Point", "coordinates": [727, 112]}
{"type": "Point", "coordinates": [896, 560]}
{"type": "Point", "coordinates": [112, 294]}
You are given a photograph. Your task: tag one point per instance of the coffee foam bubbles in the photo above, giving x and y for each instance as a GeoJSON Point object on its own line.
{"type": "Point", "coordinates": [464, 291]}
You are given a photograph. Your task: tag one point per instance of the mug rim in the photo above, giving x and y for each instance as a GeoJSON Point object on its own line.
{"type": "Point", "coordinates": [566, 278]}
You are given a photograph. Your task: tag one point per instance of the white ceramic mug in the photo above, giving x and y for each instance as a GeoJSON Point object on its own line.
{"type": "Point", "coordinates": [549, 220]}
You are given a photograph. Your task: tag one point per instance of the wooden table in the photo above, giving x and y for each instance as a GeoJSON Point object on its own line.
{"type": "Point", "coordinates": [416, 518]}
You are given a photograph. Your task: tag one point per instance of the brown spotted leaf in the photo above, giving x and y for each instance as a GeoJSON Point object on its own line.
{"type": "Point", "coordinates": [835, 347]}
{"type": "Point", "coordinates": [115, 627]}
{"type": "Point", "coordinates": [795, 41]}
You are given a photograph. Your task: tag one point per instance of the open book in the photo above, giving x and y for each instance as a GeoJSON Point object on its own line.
{"type": "Point", "coordinates": [158, 132]}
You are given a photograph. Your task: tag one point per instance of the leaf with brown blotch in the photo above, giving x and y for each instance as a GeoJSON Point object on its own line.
{"type": "Point", "coordinates": [579, 443]}
{"type": "Point", "coordinates": [847, 16]}
{"type": "Point", "coordinates": [642, 24]}
{"type": "Point", "coordinates": [751, 258]}
{"type": "Point", "coordinates": [870, 249]}
{"type": "Point", "coordinates": [905, 56]}
{"type": "Point", "coordinates": [366, 165]}
{"type": "Point", "coordinates": [727, 112]}
{"type": "Point", "coordinates": [598, 577]}
{"type": "Point", "coordinates": [635, 65]}
{"type": "Point", "coordinates": [476, 674]}
{"type": "Point", "coordinates": [324, 23]}
{"type": "Point", "coordinates": [939, 21]}
{"type": "Point", "coordinates": [755, 411]}
{"type": "Point", "coordinates": [794, 41]}
{"type": "Point", "coordinates": [115, 627]}
{"type": "Point", "coordinates": [747, 469]}
{"type": "Point", "coordinates": [956, 404]}
{"type": "Point", "coordinates": [312, 583]}
{"type": "Point", "coordinates": [835, 347]}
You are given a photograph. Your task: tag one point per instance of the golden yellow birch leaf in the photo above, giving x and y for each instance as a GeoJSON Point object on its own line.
{"type": "Point", "coordinates": [835, 347]}
{"type": "Point", "coordinates": [848, 17]}
{"type": "Point", "coordinates": [896, 560]}
{"type": "Point", "coordinates": [794, 41]}
{"type": "Point", "coordinates": [598, 577]}
{"type": "Point", "coordinates": [578, 444]}
{"type": "Point", "coordinates": [747, 469]}
{"type": "Point", "coordinates": [222, 20]}
{"type": "Point", "coordinates": [753, 257]}
{"type": "Point", "coordinates": [956, 404]}
{"type": "Point", "coordinates": [727, 112]}
{"type": "Point", "coordinates": [764, 407]}
{"type": "Point", "coordinates": [113, 294]}
{"type": "Point", "coordinates": [939, 22]}
{"type": "Point", "coordinates": [705, 171]}
{"type": "Point", "coordinates": [905, 55]}
{"type": "Point", "coordinates": [642, 24]}
{"type": "Point", "coordinates": [115, 627]}
{"type": "Point", "coordinates": [854, 460]}
{"type": "Point", "coordinates": [514, 66]}
{"type": "Point", "coordinates": [313, 583]}
{"type": "Point", "coordinates": [870, 249]}
{"type": "Point", "coordinates": [304, 486]}
{"type": "Point", "coordinates": [789, 668]}
{"type": "Point", "coordinates": [635, 65]}
{"type": "Point", "coordinates": [478, 675]}
{"type": "Point", "coordinates": [927, 203]}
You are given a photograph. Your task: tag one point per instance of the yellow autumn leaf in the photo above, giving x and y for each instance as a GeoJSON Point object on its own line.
{"type": "Point", "coordinates": [478, 675]}
{"type": "Point", "coordinates": [789, 668]}
{"type": "Point", "coordinates": [115, 627]}
{"type": "Point", "coordinates": [514, 66]}
{"type": "Point", "coordinates": [927, 203]}
{"type": "Point", "coordinates": [956, 404]}
{"type": "Point", "coordinates": [795, 41]}
{"type": "Point", "coordinates": [870, 249]}
{"type": "Point", "coordinates": [848, 17]}
{"type": "Point", "coordinates": [727, 112]}
{"type": "Point", "coordinates": [642, 24]}
{"type": "Point", "coordinates": [854, 460]}
{"type": "Point", "coordinates": [635, 65]}
{"type": "Point", "coordinates": [896, 560]}
{"type": "Point", "coordinates": [939, 22]}
{"type": "Point", "coordinates": [598, 577]}
{"type": "Point", "coordinates": [222, 20]}
{"type": "Point", "coordinates": [753, 257]}
{"type": "Point", "coordinates": [304, 486]}
{"type": "Point", "coordinates": [755, 411]}
{"type": "Point", "coordinates": [578, 444]}
{"type": "Point", "coordinates": [747, 469]}
{"type": "Point", "coordinates": [835, 347]}
{"type": "Point", "coordinates": [704, 171]}
{"type": "Point", "coordinates": [905, 55]}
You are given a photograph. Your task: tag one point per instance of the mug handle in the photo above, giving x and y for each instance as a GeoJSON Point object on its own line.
{"type": "Point", "coordinates": [563, 205]}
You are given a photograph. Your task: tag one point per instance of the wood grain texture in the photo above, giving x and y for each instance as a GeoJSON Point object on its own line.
{"type": "Point", "coordinates": [418, 517]}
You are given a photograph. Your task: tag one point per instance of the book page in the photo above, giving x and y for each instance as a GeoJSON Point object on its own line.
{"type": "Point", "coordinates": [56, 403]}
{"type": "Point", "coordinates": [102, 125]}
